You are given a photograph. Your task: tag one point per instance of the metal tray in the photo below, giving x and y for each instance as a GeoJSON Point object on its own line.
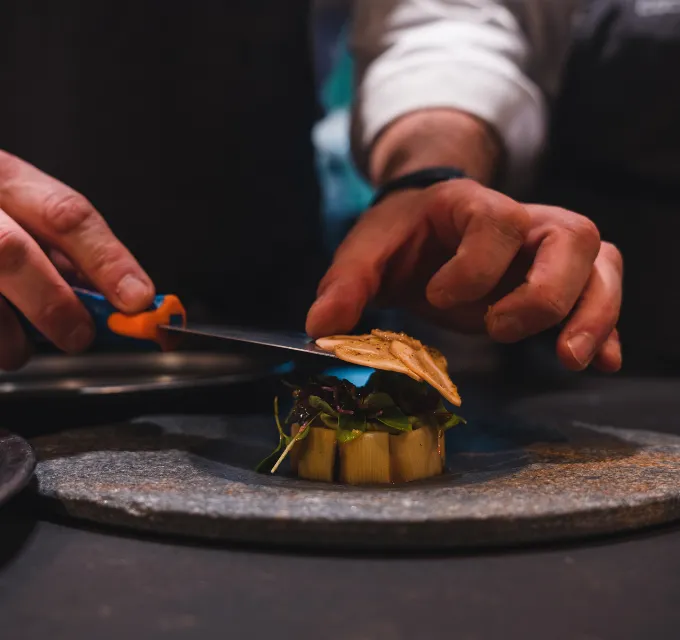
{"type": "Point", "coordinates": [117, 374]}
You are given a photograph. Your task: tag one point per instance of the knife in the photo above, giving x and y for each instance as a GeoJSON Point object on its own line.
{"type": "Point", "coordinates": [114, 329]}
{"type": "Point", "coordinates": [278, 339]}
{"type": "Point", "coordinates": [164, 324]}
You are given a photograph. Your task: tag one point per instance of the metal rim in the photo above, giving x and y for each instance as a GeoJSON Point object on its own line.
{"type": "Point", "coordinates": [91, 375]}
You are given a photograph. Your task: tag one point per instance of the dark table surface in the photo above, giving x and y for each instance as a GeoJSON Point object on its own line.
{"type": "Point", "coordinates": [60, 579]}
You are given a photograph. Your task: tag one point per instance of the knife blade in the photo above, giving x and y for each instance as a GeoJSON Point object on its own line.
{"type": "Point", "coordinates": [281, 340]}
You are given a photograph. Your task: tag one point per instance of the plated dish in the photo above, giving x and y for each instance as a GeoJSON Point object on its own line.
{"type": "Point", "coordinates": [391, 430]}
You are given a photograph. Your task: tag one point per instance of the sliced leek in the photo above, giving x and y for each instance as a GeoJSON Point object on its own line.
{"type": "Point", "coordinates": [314, 457]}
{"type": "Point", "coordinates": [366, 460]}
{"type": "Point", "coordinates": [417, 454]}
{"type": "Point", "coordinates": [375, 457]}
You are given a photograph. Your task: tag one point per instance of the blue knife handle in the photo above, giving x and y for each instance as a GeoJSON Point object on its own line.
{"type": "Point", "coordinates": [115, 329]}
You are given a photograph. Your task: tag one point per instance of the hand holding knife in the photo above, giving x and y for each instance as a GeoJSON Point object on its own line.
{"type": "Point", "coordinates": [164, 323]}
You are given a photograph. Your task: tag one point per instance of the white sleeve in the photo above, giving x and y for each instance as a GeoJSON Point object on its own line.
{"type": "Point", "coordinates": [472, 55]}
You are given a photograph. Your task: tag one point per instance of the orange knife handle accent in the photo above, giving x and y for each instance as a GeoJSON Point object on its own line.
{"type": "Point", "coordinates": [165, 310]}
{"type": "Point", "coordinates": [115, 330]}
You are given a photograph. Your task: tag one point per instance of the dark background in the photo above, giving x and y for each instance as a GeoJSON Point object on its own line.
{"type": "Point", "coordinates": [61, 579]}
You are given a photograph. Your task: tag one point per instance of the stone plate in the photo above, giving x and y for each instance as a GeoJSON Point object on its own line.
{"type": "Point", "coordinates": [508, 482]}
{"type": "Point", "coordinates": [17, 462]}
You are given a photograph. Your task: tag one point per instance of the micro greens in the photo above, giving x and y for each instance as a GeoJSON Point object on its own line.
{"type": "Point", "coordinates": [388, 402]}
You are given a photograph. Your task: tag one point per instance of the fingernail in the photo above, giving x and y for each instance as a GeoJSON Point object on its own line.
{"type": "Point", "coordinates": [80, 338]}
{"type": "Point", "coordinates": [132, 291]}
{"type": "Point", "coordinates": [582, 347]}
{"type": "Point", "coordinates": [507, 327]}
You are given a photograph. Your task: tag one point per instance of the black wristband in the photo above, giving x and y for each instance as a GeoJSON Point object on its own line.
{"type": "Point", "coordinates": [417, 180]}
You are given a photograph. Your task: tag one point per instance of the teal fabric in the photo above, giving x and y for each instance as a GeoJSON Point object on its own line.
{"type": "Point", "coordinates": [337, 91]}
{"type": "Point", "coordinates": [346, 193]}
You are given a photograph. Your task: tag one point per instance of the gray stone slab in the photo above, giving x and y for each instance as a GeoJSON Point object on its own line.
{"type": "Point", "coordinates": [17, 462]}
{"type": "Point", "coordinates": [507, 483]}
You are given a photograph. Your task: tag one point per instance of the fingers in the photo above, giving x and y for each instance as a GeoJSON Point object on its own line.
{"type": "Point", "coordinates": [62, 263]}
{"type": "Point", "coordinates": [357, 270]}
{"type": "Point", "coordinates": [590, 334]}
{"type": "Point", "coordinates": [492, 229]}
{"type": "Point", "coordinates": [491, 238]}
{"type": "Point", "coordinates": [567, 249]}
{"type": "Point", "coordinates": [31, 282]}
{"type": "Point", "coordinates": [609, 358]}
{"type": "Point", "coordinates": [14, 347]}
{"type": "Point", "coordinates": [65, 267]}
{"type": "Point", "coordinates": [58, 215]}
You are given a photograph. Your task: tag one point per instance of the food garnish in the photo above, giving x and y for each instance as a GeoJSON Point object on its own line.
{"type": "Point", "coordinates": [391, 351]}
{"type": "Point", "coordinates": [390, 430]}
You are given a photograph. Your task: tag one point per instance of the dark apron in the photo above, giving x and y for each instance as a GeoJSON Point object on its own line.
{"type": "Point", "coordinates": [615, 157]}
{"type": "Point", "coordinates": [187, 124]}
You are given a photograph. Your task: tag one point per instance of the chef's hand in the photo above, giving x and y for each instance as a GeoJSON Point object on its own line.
{"type": "Point", "coordinates": [38, 211]}
{"type": "Point", "coordinates": [472, 259]}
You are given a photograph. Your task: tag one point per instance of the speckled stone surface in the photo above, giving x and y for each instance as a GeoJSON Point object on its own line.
{"type": "Point", "coordinates": [17, 462]}
{"type": "Point", "coordinates": [508, 483]}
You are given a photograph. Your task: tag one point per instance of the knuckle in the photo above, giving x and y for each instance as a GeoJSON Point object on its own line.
{"type": "Point", "coordinates": [64, 214]}
{"type": "Point", "coordinates": [475, 280]}
{"type": "Point", "coordinates": [507, 217]}
{"type": "Point", "coordinates": [491, 208]}
{"type": "Point", "coordinates": [439, 197]}
{"type": "Point", "coordinates": [14, 250]}
{"type": "Point", "coordinates": [551, 304]}
{"type": "Point", "coordinates": [444, 195]}
{"type": "Point", "coordinates": [10, 165]}
{"type": "Point", "coordinates": [54, 315]}
{"type": "Point", "coordinates": [451, 189]}
{"type": "Point", "coordinates": [100, 259]}
{"type": "Point", "coordinates": [479, 209]}
{"type": "Point", "coordinates": [586, 232]}
{"type": "Point", "coordinates": [613, 254]}
{"type": "Point", "coordinates": [609, 316]}
{"type": "Point", "coordinates": [601, 314]}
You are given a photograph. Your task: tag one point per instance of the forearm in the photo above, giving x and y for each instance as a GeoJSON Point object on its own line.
{"type": "Point", "coordinates": [436, 137]}
{"type": "Point", "coordinates": [449, 57]}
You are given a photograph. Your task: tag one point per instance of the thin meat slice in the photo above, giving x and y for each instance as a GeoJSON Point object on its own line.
{"type": "Point", "coordinates": [331, 342]}
{"type": "Point", "coordinates": [401, 337]}
{"type": "Point", "coordinates": [374, 359]}
{"type": "Point", "coordinates": [392, 351]}
{"type": "Point", "coordinates": [420, 362]}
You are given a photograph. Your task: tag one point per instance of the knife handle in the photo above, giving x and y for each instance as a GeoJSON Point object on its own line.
{"type": "Point", "coordinates": [115, 329]}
